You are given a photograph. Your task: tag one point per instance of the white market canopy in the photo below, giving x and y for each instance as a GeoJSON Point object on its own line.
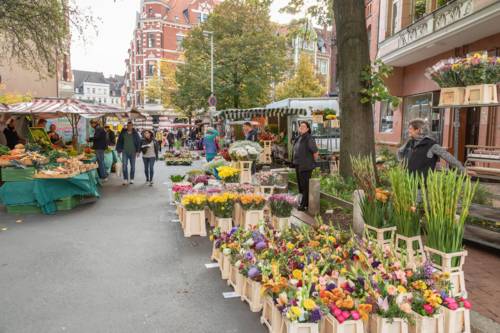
{"type": "Point", "coordinates": [238, 114]}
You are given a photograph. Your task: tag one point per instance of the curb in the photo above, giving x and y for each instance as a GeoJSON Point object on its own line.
{"type": "Point", "coordinates": [482, 324]}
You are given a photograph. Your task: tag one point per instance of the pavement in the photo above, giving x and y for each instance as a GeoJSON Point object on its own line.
{"type": "Point", "coordinates": [117, 265]}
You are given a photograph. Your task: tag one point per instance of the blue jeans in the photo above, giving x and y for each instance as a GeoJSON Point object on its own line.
{"type": "Point", "coordinates": [149, 167]}
{"type": "Point", "coordinates": [101, 170]}
{"type": "Point", "coordinates": [126, 157]}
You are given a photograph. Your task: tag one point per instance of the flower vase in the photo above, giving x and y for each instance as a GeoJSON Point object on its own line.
{"type": "Point", "coordinates": [452, 96]}
{"type": "Point", "coordinates": [245, 171]}
{"type": "Point", "coordinates": [378, 324]}
{"type": "Point", "coordinates": [451, 263]}
{"type": "Point", "coordinates": [194, 223]}
{"type": "Point", "coordinates": [225, 224]}
{"type": "Point", "coordinates": [281, 223]}
{"type": "Point", "coordinates": [251, 294]}
{"type": "Point", "coordinates": [330, 324]}
{"type": "Point", "coordinates": [292, 327]}
{"type": "Point", "coordinates": [456, 321]}
{"type": "Point", "coordinates": [414, 256]}
{"type": "Point", "coordinates": [434, 324]}
{"type": "Point", "coordinates": [383, 236]}
{"type": "Point", "coordinates": [251, 218]}
{"type": "Point", "coordinates": [271, 316]}
{"type": "Point", "coordinates": [481, 94]}
{"type": "Point", "coordinates": [224, 265]}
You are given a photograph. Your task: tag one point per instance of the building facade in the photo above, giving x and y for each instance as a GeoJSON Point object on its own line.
{"type": "Point", "coordinates": [160, 28]}
{"type": "Point", "coordinates": [414, 35]}
{"type": "Point", "coordinates": [93, 87]}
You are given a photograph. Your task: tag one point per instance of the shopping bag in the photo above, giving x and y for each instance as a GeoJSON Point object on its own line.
{"type": "Point", "coordinates": [119, 168]}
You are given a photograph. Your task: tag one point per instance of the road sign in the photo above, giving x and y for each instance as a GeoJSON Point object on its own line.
{"type": "Point", "coordinates": [212, 101]}
{"type": "Point", "coordinates": [211, 109]}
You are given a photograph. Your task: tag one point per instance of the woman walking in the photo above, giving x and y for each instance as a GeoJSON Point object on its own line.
{"type": "Point", "coordinates": [210, 144]}
{"type": "Point", "coordinates": [305, 152]}
{"type": "Point", "coordinates": [150, 149]}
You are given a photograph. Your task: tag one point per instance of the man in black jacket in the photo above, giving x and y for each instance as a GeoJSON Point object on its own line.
{"type": "Point", "coordinates": [99, 144]}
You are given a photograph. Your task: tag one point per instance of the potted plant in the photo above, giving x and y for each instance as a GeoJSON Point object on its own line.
{"type": "Point", "coordinates": [426, 314]}
{"type": "Point", "coordinates": [456, 311]}
{"type": "Point", "coordinates": [253, 209]}
{"type": "Point", "coordinates": [441, 194]}
{"type": "Point", "coordinates": [229, 175]}
{"type": "Point", "coordinates": [194, 221]}
{"type": "Point", "coordinates": [281, 209]}
{"type": "Point", "coordinates": [447, 74]}
{"type": "Point", "coordinates": [266, 180]}
{"type": "Point", "coordinates": [222, 206]}
{"type": "Point", "coordinates": [405, 189]}
{"type": "Point", "coordinates": [480, 75]}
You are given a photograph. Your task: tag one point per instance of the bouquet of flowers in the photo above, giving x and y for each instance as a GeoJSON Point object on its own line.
{"type": "Point", "coordinates": [480, 69]}
{"type": "Point", "coordinates": [252, 201]}
{"type": "Point", "coordinates": [194, 202]}
{"type": "Point", "coordinates": [215, 163]}
{"type": "Point", "coordinates": [282, 204]}
{"type": "Point", "coordinates": [240, 188]}
{"type": "Point", "coordinates": [180, 190]}
{"type": "Point", "coordinates": [245, 150]}
{"type": "Point", "coordinates": [266, 136]}
{"type": "Point", "coordinates": [222, 204]}
{"type": "Point", "coordinates": [201, 179]}
{"type": "Point", "coordinates": [447, 73]}
{"type": "Point", "coordinates": [229, 174]}
{"type": "Point", "coordinates": [265, 178]}
{"type": "Point", "coordinates": [225, 154]}
{"type": "Point", "coordinates": [454, 303]}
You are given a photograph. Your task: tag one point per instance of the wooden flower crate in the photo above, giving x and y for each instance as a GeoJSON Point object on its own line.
{"type": "Point", "coordinates": [225, 224]}
{"type": "Point", "coordinates": [266, 190]}
{"type": "Point", "coordinates": [251, 218]}
{"type": "Point", "coordinates": [434, 324]}
{"type": "Point", "coordinates": [451, 263]}
{"type": "Point", "coordinates": [414, 256]}
{"type": "Point", "coordinates": [271, 316]}
{"type": "Point", "coordinates": [224, 266]}
{"type": "Point", "coordinates": [194, 223]}
{"type": "Point", "coordinates": [281, 223]}
{"type": "Point", "coordinates": [245, 171]}
{"type": "Point", "coordinates": [216, 254]}
{"type": "Point", "coordinates": [456, 321]}
{"type": "Point", "coordinates": [237, 214]}
{"type": "Point", "coordinates": [251, 294]}
{"type": "Point", "coordinates": [182, 216]}
{"type": "Point", "coordinates": [236, 279]}
{"type": "Point", "coordinates": [301, 327]}
{"type": "Point", "coordinates": [481, 94]}
{"type": "Point", "coordinates": [265, 156]}
{"type": "Point", "coordinates": [329, 324]}
{"type": "Point", "coordinates": [383, 325]}
{"type": "Point", "coordinates": [210, 217]}
{"type": "Point", "coordinates": [452, 96]}
{"type": "Point", "coordinates": [383, 236]}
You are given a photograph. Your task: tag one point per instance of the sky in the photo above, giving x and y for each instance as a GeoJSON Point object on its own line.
{"type": "Point", "coordinates": [105, 49]}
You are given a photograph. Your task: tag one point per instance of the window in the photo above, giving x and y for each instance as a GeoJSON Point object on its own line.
{"type": "Point", "coordinates": [138, 46]}
{"type": "Point", "coordinates": [369, 33]}
{"type": "Point", "coordinates": [150, 11]}
{"type": "Point", "coordinates": [323, 66]}
{"type": "Point", "coordinates": [151, 69]}
{"type": "Point", "coordinates": [386, 117]}
{"type": "Point", "coordinates": [185, 12]}
{"type": "Point", "coordinates": [151, 40]}
{"type": "Point", "coordinates": [420, 106]}
{"type": "Point", "coordinates": [93, 90]}
{"type": "Point", "coordinates": [368, 9]}
{"type": "Point", "coordinates": [394, 17]}
{"type": "Point", "coordinates": [88, 90]}
{"type": "Point", "coordinates": [139, 74]}
{"type": "Point", "coordinates": [179, 39]}
{"type": "Point", "coordinates": [161, 40]}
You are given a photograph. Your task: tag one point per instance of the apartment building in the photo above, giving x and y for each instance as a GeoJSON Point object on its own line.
{"type": "Point", "coordinates": [93, 87]}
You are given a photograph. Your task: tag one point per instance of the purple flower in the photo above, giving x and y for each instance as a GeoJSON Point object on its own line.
{"type": "Point", "coordinates": [428, 269]}
{"type": "Point", "coordinates": [260, 245]}
{"type": "Point", "coordinates": [330, 286]}
{"type": "Point", "coordinates": [315, 315]}
{"type": "Point", "coordinates": [375, 263]}
{"type": "Point", "coordinates": [248, 255]}
{"type": "Point", "coordinates": [300, 265]}
{"type": "Point", "coordinates": [253, 272]}
{"type": "Point", "coordinates": [233, 230]}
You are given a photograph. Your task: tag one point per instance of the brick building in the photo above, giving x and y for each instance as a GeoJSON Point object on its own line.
{"type": "Point", "coordinates": [160, 28]}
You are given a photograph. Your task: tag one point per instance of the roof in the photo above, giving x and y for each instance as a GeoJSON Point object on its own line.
{"type": "Point", "coordinates": [116, 83]}
{"type": "Point", "coordinates": [87, 76]}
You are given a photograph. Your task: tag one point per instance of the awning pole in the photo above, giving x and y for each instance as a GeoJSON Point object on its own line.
{"type": "Point", "coordinates": [456, 125]}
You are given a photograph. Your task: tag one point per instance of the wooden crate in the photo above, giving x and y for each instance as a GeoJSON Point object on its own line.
{"type": "Point", "coordinates": [281, 223]}
{"type": "Point", "coordinates": [251, 294]}
{"type": "Point", "coordinates": [329, 324]}
{"type": "Point", "coordinates": [383, 236]}
{"type": "Point", "coordinates": [224, 265]}
{"type": "Point", "coordinates": [301, 327]}
{"type": "Point", "coordinates": [252, 218]}
{"type": "Point", "coordinates": [481, 94]}
{"type": "Point", "coordinates": [405, 244]}
{"type": "Point", "coordinates": [194, 223]}
{"type": "Point", "coordinates": [383, 325]}
{"type": "Point", "coordinates": [451, 263]}
{"type": "Point", "coordinates": [216, 254]}
{"type": "Point", "coordinates": [452, 96]}
{"type": "Point", "coordinates": [245, 171]}
{"type": "Point", "coordinates": [456, 321]}
{"type": "Point", "coordinates": [225, 224]}
{"type": "Point", "coordinates": [434, 324]}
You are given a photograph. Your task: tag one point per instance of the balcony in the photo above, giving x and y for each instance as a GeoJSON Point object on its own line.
{"type": "Point", "coordinates": [65, 89]}
{"type": "Point", "coordinates": [458, 23]}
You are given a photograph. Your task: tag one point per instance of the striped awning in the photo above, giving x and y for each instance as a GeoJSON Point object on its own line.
{"type": "Point", "coordinates": [237, 114]}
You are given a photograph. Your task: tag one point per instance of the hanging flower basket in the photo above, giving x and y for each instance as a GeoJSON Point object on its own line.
{"type": "Point", "coordinates": [481, 94]}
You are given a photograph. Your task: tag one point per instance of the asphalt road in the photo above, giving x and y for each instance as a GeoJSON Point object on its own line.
{"type": "Point", "coordinates": [117, 265]}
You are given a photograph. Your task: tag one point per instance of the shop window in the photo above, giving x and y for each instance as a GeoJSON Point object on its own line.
{"type": "Point", "coordinates": [386, 118]}
{"type": "Point", "coordinates": [421, 106]}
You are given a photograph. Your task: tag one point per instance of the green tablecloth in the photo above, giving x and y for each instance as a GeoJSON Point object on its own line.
{"type": "Point", "coordinates": [44, 192]}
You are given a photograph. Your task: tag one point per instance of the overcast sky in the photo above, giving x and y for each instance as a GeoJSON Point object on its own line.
{"type": "Point", "coordinates": [106, 51]}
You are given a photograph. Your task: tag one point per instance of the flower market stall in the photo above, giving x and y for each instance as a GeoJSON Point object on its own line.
{"type": "Point", "coordinates": [321, 279]}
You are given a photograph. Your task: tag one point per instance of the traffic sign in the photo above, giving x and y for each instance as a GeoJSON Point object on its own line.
{"type": "Point", "coordinates": [211, 109]}
{"type": "Point", "coordinates": [212, 101]}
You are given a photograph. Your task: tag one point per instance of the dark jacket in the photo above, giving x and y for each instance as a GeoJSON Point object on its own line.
{"type": "Point", "coordinates": [11, 137]}
{"type": "Point", "coordinates": [171, 138]}
{"type": "Point", "coordinates": [137, 141]}
{"type": "Point", "coordinates": [99, 141]}
{"type": "Point", "coordinates": [144, 143]}
{"type": "Point", "coordinates": [111, 138]}
{"type": "Point", "coordinates": [304, 149]}
{"type": "Point", "coordinates": [252, 136]}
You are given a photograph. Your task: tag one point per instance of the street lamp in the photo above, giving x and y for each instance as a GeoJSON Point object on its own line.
{"type": "Point", "coordinates": [211, 33]}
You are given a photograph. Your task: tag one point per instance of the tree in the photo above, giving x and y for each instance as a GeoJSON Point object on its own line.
{"type": "Point", "coordinates": [249, 56]}
{"type": "Point", "coordinates": [36, 33]}
{"type": "Point", "coordinates": [162, 87]}
{"type": "Point", "coordinates": [304, 82]}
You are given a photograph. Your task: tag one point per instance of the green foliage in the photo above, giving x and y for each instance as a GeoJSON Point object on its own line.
{"type": "Point", "coordinates": [316, 173]}
{"type": "Point", "coordinates": [304, 82]}
{"type": "Point", "coordinates": [176, 178]}
{"type": "Point", "coordinates": [375, 89]}
{"type": "Point", "coordinates": [442, 192]}
{"type": "Point", "coordinates": [404, 199]}
{"type": "Point", "coordinates": [321, 11]}
{"type": "Point", "coordinates": [249, 56]}
{"type": "Point", "coordinates": [338, 186]}
{"type": "Point", "coordinates": [419, 8]}
{"type": "Point", "coordinates": [482, 196]}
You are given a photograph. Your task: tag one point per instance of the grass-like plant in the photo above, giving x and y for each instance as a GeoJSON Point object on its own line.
{"type": "Point", "coordinates": [404, 201]}
{"type": "Point", "coordinates": [442, 193]}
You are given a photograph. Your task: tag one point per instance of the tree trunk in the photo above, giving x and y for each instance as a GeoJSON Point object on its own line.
{"type": "Point", "coordinates": [357, 137]}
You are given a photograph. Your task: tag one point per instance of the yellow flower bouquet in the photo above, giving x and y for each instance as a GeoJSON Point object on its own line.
{"type": "Point", "coordinates": [222, 204]}
{"type": "Point", "coordinates": [252, 201]}
{"type": "Point", "coordinates": [229, 174]}
{"type": "Point", "coordinates": [194, 202]}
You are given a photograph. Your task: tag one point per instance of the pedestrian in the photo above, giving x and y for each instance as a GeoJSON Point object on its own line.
{"type": "Point", "coordinates": [250, 132]}
{"type": "Point", "coordinates": [110, 136]}
{"type": "Point", "coordinates": [99, 144]}
{"type": "Point", "coordinates": [421, 152]}
{"type": "Point", "coordinates": [305, 152]}
{"type": "Point", "coordinates": [149, 148]}
{"type": "Point", "coordinates": [129, 145]}
{"type": "Point", "coordinates": [11, 136]}
{"type": "Point", "coordinates": [54, 137]}
{"type": "Point", "coordinates": [159, 139]}
{"type": "Point", "coordinates": [171, 140]}
{"type": "Point", "coordinates": [210, 144]}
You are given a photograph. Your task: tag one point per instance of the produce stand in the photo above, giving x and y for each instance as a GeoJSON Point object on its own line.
{"type": "Point", "coordinates": [48, 195]}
